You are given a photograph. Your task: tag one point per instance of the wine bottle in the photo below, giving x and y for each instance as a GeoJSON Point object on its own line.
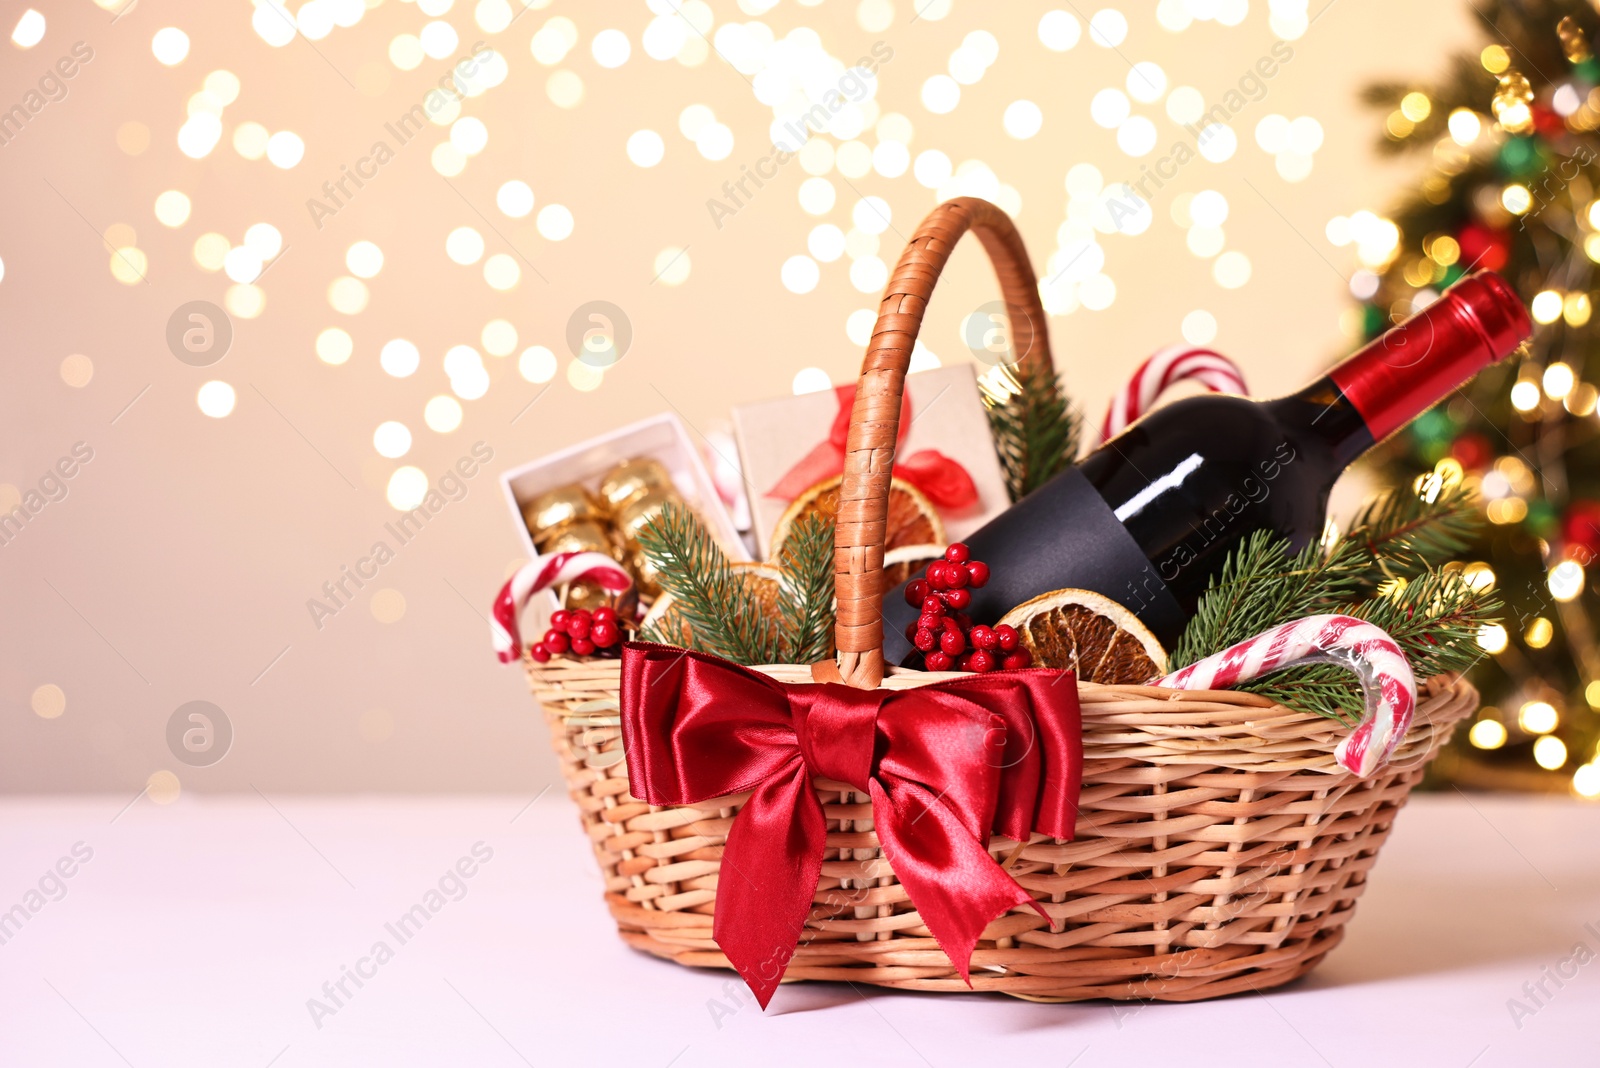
{"type": "Point", "coordinates": [1149, 517]}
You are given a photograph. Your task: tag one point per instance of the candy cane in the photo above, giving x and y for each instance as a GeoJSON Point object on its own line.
{"type": "Point", "coordinates": [1168, 366]}
{"type": "Point", "coordinates": [1386, 679]}
{"type": "Point", "coordinates": [541, 573]}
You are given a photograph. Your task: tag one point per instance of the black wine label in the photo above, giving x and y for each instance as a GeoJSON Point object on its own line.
{"type": "Point", "coordinates": [1063, 535]}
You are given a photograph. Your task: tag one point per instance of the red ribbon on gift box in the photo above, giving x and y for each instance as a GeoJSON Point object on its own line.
{"type": "Point", "coordinates": [945, 765]}
{"type": "Point", "coordinates": [939, 478]}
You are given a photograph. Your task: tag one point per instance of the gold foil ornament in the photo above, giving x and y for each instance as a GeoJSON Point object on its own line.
{"type": "Point", "coordinates": [639, 514]}
{"type": "Point", "coordinates": [645, 575]}
{"type": "Point", "coordinates": [579, 536]}
{"type": "Point", "coordinates": [632, 479]}
{"type": "Point", "coordinates": [586, 593]}
{"type": "Point", "coordinates": [566, 504]}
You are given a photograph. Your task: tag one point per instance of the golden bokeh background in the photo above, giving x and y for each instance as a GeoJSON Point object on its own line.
{"type": "Point", "coordinates": [401, 203]}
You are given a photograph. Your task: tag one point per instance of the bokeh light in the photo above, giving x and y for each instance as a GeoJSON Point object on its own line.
{"type": "Point", "coordinates": [610, 48]}
{"type": "Point", "coordinates": [537, 364]}
{"type": "Point", "coordinates": [1059, 31]}
{"type": "Point", "coordinates": [1023, 119]}
{"type": "Point", "coordinates": [391, 439]}
{"type": "Point", "coordinates": [672, 266]}
{"type": "Point", "coordinates": [347, 295]}
{"type": "Point", "coordinates": [800, 274]}
{"type": "Point", "coordinates": [29, 30]}
{"type": "Point", "coordinates": [216, 399]}
{"type": "Point", "coordinates": [442, 414]}
{"type": "Point", "coordinates": [501, 271]}
{"type": "Point", "coordinates": [172, 208]}
{"type": "Point", "coordinates": [170, 45]}
{"type": "Point", "coordinates": [464, 245]}
{"type": "Point", "coordinates": [646, 148]}
{"type": "Point", "coordinates": [334, 346]}
{"type": "Point", "coordinates": [554, 222]}
{"type": "Point", "coordinates": [399, 358]}
{"type": "Point", "coordinates": [499, 337]}
{"type": "Point", "coordinates": [364, 259]}
{"type": "Point", "coordinates": [250, 140]}
{"type": "Point", "coordinates": [285, 149]}
{"type": "Point", "coordinates": [811, 380]}
{"type": "Point", "coordinates": [407, 486]}
{"type": "Point", "coordinates": [514, 198]}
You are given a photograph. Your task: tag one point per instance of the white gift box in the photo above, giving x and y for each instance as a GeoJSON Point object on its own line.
{"type": "Point", "coordinates": [947, 415]}
{"type": "Point", "coordinates": [663, 438]}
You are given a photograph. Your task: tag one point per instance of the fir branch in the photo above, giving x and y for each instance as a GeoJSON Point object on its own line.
{"type": "Point", "coordinates": [1263, 583]}
{"type": "Point", "coordinates": [667, 630]}
{"type": "Point", "coordinates": [807, 587]}
{"type": "Point", "coordinates": [1402, 534]}
{"type": "Point", "coordinates": [719, 612]}
{"type": "Point", "coordinates": [1035, 426]}
{"type": "Point", "coordinates": [1434, 618]}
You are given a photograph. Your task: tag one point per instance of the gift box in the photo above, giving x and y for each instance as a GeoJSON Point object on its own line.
{"type": "Point", "coordinates": [663, 438]}
{"type": "Point", "coordinates": [945, 450]}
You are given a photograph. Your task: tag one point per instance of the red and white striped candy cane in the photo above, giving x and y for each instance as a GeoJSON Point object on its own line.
{"type": "Point", "coordinates": [1168, 366]}
{"type": "Point", "coordinates": [541, 573]}
{"type": "Point", "coordinates": [1378, 662]}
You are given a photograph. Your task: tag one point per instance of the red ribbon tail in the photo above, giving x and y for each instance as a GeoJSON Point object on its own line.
{"type": "Point", "coordinates": [955, 884]}
{"type": "Point", "coordinates": [770, 868]}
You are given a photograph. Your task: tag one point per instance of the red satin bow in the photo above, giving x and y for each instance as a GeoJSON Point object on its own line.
{"type": "Point", "coordinates": [945, 765]}
{"type": "Point", "coordinates": [942, 480]}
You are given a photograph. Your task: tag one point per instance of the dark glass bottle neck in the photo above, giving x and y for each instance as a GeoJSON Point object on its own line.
{"type": "Point", "coordinates": [1322, 412]}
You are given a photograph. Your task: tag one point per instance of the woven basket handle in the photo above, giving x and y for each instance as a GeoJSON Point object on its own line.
{"type": "Point", "coordinates": [875, 419]}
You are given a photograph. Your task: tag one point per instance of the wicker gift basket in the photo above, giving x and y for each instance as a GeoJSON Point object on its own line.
{"type": "Point", "coordinates": [1219, 847]}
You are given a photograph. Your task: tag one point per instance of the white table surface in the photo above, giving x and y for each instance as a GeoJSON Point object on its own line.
{"type": "Point", "coordinates": [197, 932]}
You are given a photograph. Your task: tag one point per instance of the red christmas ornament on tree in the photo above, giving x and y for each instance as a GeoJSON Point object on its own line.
{"type": "Point", "coordinates": [1484, 246]}
{"type": "Point", "coordinates": [1472, 450]}
{"type": "Point", "coordinates": [1549, 125]}
{"type": "Point", "coordinates": [1581, 529]}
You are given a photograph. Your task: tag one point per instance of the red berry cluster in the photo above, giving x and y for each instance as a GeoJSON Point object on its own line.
{"type": "Point", "coordinates": [581, 632]}
{"type": "Point", "coordinates": [944, 632]}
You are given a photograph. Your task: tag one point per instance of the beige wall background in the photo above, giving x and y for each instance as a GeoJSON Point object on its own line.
{"type": "Point", "coordinates": [178, 564]}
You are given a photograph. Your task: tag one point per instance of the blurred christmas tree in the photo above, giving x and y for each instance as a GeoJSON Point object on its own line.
{"type": "Point", "coordinates": [1512, 138]}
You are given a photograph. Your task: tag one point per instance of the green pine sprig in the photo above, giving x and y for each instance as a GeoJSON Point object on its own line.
{"type": "Point", "coordinates": [1035, 426]}
{"type": "Point", "coordinates": [1403, 533]}
{"type": "Point", "coordinates": [807, 587]}
{"type": "Point", "coordinates": [1264, 583]}
{"type": "Point", "coordinates": [711, 603]}
{"type": "Point", "coordinates": [1434, 618]}
{"type": "Point", "coordinates": [714, 608]}
{"type": "Point", "coordinates": [1396, 546]}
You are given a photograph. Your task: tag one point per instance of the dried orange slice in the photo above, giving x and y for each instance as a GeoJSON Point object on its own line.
{"type": "Point", "coordinates": [1091, 634]}
{"type": "Point", "coordinates": [762, 580]}
{"type": "Point", "coordinates": [912, 517]}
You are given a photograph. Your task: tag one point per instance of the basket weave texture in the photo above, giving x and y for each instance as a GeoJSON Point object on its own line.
{"type": "Point", "coordinates": [1219, 848]}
